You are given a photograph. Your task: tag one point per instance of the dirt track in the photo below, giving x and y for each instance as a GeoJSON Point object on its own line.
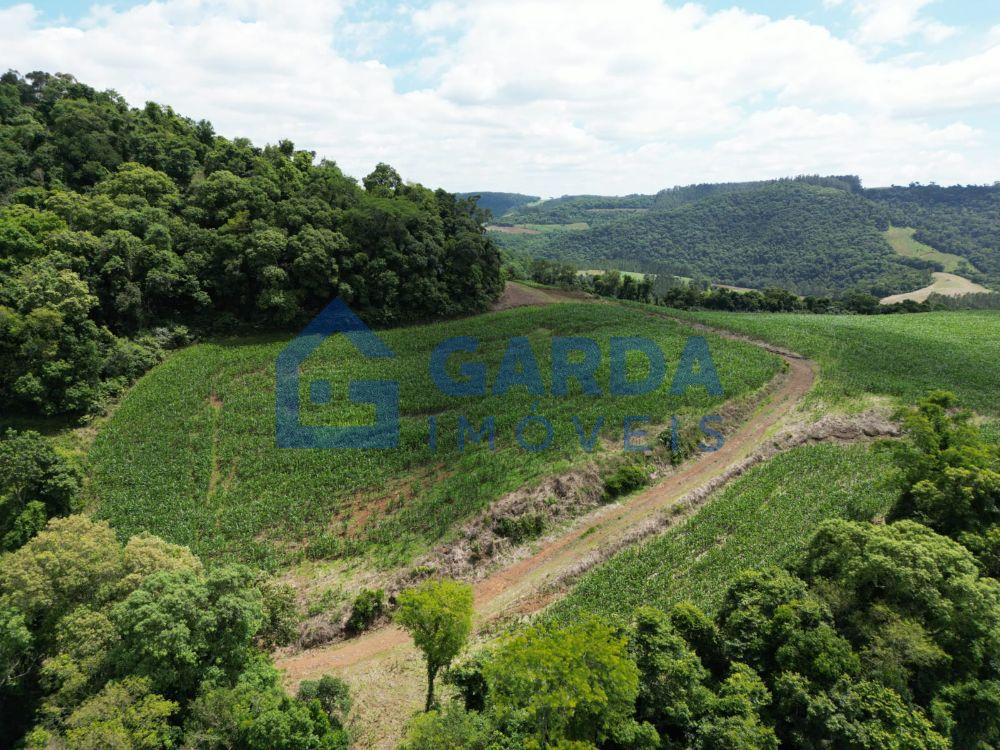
{"type": "Point", "coordinates": [387, 656]}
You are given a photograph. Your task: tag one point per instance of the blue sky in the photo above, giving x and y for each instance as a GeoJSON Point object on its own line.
{"type": "Point", "coordinates": [560, 96]}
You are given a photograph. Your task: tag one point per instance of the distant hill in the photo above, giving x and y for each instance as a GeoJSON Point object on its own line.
{"type": "Point", "coordinates": [812, 235]}
{"type": "Point", "coordinates": [961, 220]}
{"type": "Point", "coordinates": [500, 203]}
{"type": "Point", "coordinates": [571, 209]}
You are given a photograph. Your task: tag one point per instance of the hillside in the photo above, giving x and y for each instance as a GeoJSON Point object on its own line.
{"type": "Point", "coordinates": [499, 203]}
{"type": "Point", "coordinates": [896, 356]}
{"type": "Point", "coordinates": [123, 231]}
{"type": "Point", "coordinates": [231, 493]}
{"type": "Point", "coordinates": [810, 239]}
{"type": "Point", "coordinates": [811, 235]}
{"type": "Point", "coordinates": [959, 220]}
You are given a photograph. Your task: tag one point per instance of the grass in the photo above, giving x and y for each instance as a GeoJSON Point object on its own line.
{"type": "Point", "coordinates": [901, 239]}
{"type": "Point", "coordinates": [899, 356]}
{"type": "Point", "coordinates": [189, 454]}
{"type": "Point", "coordinates": [761, 519]}
{"type": "Point", "coordinates": [597, 272]}
{"type": "Point", "coordinates": [576, 226]}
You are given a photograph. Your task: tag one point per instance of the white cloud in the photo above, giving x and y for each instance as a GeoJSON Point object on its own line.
{"type": "Point", "coordinates": [888, 21]}
{"type": "Point", "coordinates": [545, 96]}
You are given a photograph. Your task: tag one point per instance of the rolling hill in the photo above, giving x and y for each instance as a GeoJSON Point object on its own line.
{"type": "Point", "coordinates": [500, 203]}
{"type": "Point", "coordinates": [811, 235]}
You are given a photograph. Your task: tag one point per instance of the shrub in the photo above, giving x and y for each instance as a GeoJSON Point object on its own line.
{"type": "Point", "coordinates": [333, 695]}
{"type": "Point", "coordinates": [626, 478]}
{"type": "Point", "coordinates": [368, 606]}
{"type": "Point", "coordinates": [519, 528]}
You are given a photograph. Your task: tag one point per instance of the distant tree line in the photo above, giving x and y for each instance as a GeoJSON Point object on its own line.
{"type": "Point", "coordinates": [699, 294]}
{"type": "Point", "coordinates": [122, 230]}
{"type": "Point", "coordinates": [806, 238]}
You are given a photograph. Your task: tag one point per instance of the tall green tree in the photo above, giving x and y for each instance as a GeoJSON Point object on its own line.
{"type": "Point", "coordinates": [438, 616]}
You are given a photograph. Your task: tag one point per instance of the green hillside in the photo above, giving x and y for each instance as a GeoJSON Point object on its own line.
{"type": "Point", "coordinates": [124, 230]}
{"type": "Point", "coordinates": [900, 356]}
{"type": "Point", "coordinates": [571, 209]}
{"type": "Point", "coordinates": [902, 241]}
{"type": "Point", "coordinates": [808, 238]}
{"type": "Point", "coordinates": [766, 516]}
{"type": "Point", "coordinates": [499, 203]}
{"type": "Point", "coordinates": [763, 518]}
{"type": "Point", "coordinates": [810, 234]}
{"type": "Point", "coordinates": [190, 454]}
{"type": "Point", "coordinates": [959, 220]}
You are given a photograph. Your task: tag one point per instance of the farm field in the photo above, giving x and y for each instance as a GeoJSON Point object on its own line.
{"type": "Point", "coordinates": [189, 454]}
{"type": "Point", "coordinates": [947, 284]}
{"type": "Point", "coordinates": [760, 519]}
{"type": "Point", "coordinates": [899, 356]}
{"type": "Point", "coordinates": [901, 240]}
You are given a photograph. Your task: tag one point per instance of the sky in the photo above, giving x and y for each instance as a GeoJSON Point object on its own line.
{"type": "Point", "coordinates": [554, 97]}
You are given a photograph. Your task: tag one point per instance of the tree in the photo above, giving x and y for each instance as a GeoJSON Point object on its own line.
{"type": "Point", "coordinates": [333, 695]}
{"type": "Point", "coordinates": [35, 483]}
{"type": "Point", "coordinates": [450, 728]}
{"type": "Point", "coordinates": [178, 627]}
{"type": "Point", "coordinates": [951, 475]}
{"type": "Point", "coordinates": [438, 616]}
{"type": "Point", "coordinates": [74, 561]}
{"type": "Point", "coordinates": [859, 714]}
{"type": "Point", "coordinates": [124, 714]}
{"type": "Point", "coordinates": [15, 646]}
{"type": "Point", "coordinates": [673, 695]}
{"type": "Point", "coordinates": [733, 718]}
{"type": "Point", "coordinates": [384, 180]}
{"type": "Point", "coordinates": [575, 682]}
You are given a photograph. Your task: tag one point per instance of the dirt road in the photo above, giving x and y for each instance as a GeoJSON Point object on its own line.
{"type": "Point", "coordinates": [386, 657]}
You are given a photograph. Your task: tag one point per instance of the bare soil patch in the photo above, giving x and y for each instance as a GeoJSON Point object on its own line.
{"type": "Point", "coordinates": [947, 284]}
{"type": "Point", "coordinates": [522, 295]}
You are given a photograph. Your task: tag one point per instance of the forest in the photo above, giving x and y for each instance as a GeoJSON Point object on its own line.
{"type": "Point", "coordinates": [124, 232]}
{"type": "Point", "coordinates": [811, 235]}
{"type": "Point", "coordinates": [963, 220]}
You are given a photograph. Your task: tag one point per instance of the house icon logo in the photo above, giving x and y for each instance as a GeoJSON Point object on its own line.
{"type": "Point", "coordinates": [383, 394]}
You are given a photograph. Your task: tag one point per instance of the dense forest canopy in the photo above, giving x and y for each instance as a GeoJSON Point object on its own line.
{"type": "Point", "coordinates": [808, 234]}
{"type": "Point", "coordinates": [963, 220]}
{"type": "Point", "coordinates": [121, 229]}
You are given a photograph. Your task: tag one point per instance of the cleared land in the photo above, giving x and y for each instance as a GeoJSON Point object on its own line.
{"type": "Point", "coordinates": [901, 239]}
{"type": "Point", "coordinates": [597, 272]}
{"type": "Point", "coordinates": [899, 356]}
{"type": "Point", "coordinates": [386, 655]}
{"type": "Point", "coordinates": [760, 519]}
{"type": "Point", "coordinates": [190, 455]}
{"type": "Point", "coordinates": [947, 284]}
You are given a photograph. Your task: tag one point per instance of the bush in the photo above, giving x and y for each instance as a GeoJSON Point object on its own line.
{"type": "Point", "coordinates": [368, 606]}
{"type": "Point", "coordinates": [626, 478]}
{"type": "Point", "coordinates": [519, 528]}
{"type": "Point", "coordinates": [281, 618]}
{"type": "Point", "coordinates": [684, 446]}
{"type": "Point", "coordinates": [333, 695]}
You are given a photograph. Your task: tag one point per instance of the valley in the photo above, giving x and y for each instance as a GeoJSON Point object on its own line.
{"type": "Point", "coordinates": [293, 460]}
